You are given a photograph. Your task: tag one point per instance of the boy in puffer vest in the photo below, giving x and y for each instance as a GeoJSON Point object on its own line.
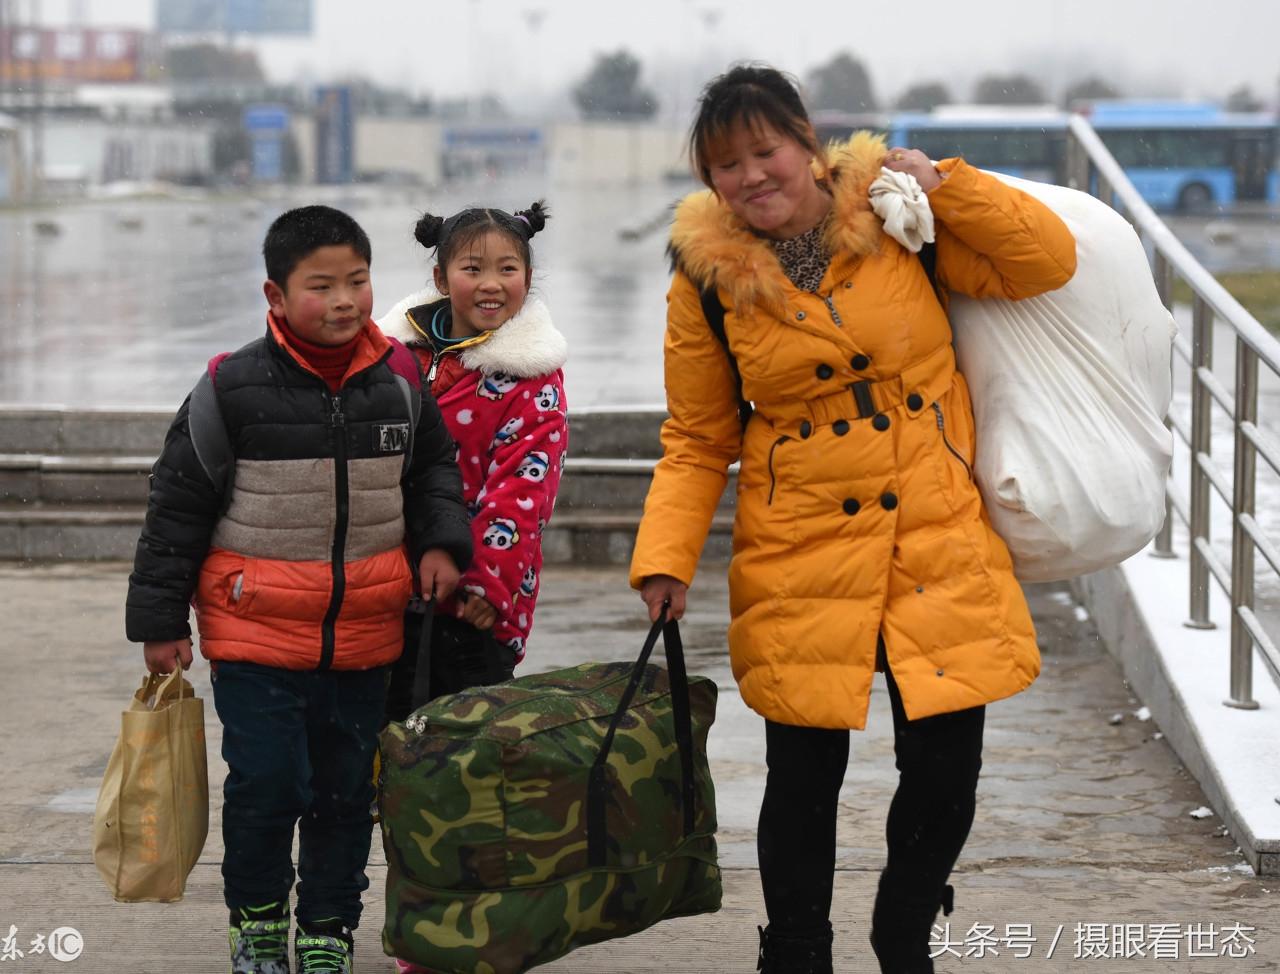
{"type": "Point", "coordinates": [302, 483]}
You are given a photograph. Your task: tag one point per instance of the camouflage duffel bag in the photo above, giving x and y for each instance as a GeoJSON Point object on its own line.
{"type": "Point", "coordinates": [529, 818]}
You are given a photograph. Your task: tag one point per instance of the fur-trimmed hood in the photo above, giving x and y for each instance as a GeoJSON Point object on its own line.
{"type": "Point", "coordinates": [714, 247]}
{"type": "Point", "coordinates": [526, 346]}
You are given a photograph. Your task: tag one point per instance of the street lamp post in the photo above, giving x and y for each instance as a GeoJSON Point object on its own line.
{"type": "Point", "coordinates": [37, 117]}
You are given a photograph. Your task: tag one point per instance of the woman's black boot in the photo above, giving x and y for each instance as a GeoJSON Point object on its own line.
{"type": "Point", "coordinates": [902, 927]}
{"type": "Point", "coordinates": [794, 955]}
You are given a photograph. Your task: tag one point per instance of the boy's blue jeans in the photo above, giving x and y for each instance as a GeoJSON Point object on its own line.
{"type": "Point", "coordinates": [299, 745]}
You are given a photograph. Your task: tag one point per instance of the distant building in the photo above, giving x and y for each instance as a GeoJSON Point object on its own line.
{"type": "Point", "coordinates": [492, 150]}
{"type": "Point", "coordinates": [11, 168]}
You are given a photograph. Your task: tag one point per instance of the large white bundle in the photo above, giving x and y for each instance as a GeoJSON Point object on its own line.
{"type": "Point", "coordinates": [1069, 390]}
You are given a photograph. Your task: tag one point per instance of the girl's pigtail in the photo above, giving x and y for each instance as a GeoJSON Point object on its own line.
{"type": "Point", "coordinates": [427, 230]}
{"type": "Point", "coordinates": [535, 217]}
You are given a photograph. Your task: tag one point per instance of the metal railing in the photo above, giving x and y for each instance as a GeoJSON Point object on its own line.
{"type": "Point", "coordinates": [1091, 168]}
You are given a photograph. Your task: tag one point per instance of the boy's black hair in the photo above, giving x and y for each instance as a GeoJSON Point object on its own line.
{"type": "Point", "coordinates": [299, 232]}
{"type": "Point", "coordinates": [459, 230]}
{"type": "Point", "coordinates": [752, 95]}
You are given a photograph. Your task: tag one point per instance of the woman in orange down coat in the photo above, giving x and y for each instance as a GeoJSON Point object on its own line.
{"type": "Point", "coordinates": [860, 540]}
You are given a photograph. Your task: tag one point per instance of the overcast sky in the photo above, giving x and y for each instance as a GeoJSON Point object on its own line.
{"type": "Point", "coordinates": [446, 48]}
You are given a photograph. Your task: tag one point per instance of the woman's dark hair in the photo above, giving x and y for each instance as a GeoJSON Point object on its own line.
{"type": "Point", "coordinates": [459, 231]}
{"type": "Point", "coordinates": [751, 95]}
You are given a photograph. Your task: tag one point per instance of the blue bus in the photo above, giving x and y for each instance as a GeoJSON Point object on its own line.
{"type": "Point", "coordinates": [1179, 156]}
{"type": "Point", "coordinates": [1019, 141]}
{"type": "Point", "coordinates": [1189, 157]}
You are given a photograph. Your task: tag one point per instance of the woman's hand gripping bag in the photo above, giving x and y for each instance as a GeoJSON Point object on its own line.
{"type": "Point", "coordinates": [1069, 391]}
{"type": "Point", "coordinates": [152, 816]}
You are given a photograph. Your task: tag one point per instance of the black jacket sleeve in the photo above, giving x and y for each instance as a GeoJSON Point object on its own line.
{"type": "Point", "coordinates": [434, 514]}
{"type": "Point", "coordinates": [182, 511]}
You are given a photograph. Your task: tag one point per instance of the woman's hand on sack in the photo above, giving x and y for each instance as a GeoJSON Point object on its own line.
{"type": "Point", "coordinates": [661, 588]}
{"type": "Point", "coordinates": [916, 163]}
{"type": "Point", "coordinates": [161, 655]}
{"type": "Point", "coordinates": [438, 574]}
{"type": "Point", "coordinates": [477, 612]}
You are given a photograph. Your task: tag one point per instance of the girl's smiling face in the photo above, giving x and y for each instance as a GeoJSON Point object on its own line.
{"type": "Point", "coordinates": [486, 283]}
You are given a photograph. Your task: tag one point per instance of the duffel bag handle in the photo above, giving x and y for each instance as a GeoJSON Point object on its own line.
{"type": "Point", "coordinates": [598, 782]}
{"type": "Point", "coordinates": [422, 665]}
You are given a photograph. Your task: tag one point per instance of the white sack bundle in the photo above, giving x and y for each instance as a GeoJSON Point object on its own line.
{"type": "Point", "coordinates": [1069, 393]}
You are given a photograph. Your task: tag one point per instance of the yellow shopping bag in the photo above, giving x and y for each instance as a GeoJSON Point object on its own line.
{"type": "Point", "coordinates": [153, 808]}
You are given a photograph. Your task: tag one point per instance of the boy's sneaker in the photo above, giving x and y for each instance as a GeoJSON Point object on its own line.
{"type": "Point", "coordinates": [324, 947]}
{"type": "Point", "coordinates": [260, 939]}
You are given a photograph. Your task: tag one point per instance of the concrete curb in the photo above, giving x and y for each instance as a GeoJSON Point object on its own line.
{"type": "Point", "coordinates": [1181, 674]}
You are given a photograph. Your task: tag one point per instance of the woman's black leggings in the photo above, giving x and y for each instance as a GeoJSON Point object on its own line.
{"type": "Point", "coordinates": [938, 760]}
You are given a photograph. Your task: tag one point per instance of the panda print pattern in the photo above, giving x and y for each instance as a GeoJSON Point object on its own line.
{"type": "Point", "coordinates": [504, 403]}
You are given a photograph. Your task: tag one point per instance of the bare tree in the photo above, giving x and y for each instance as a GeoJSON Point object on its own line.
{"type": "Point", "coordinates": [924, 97]}
{"type": "Point", "coordinates": [1010, 89]}
{"type": "Point", "coordinates": [842, 84]}
{"type": "Point", "coordinates": [1087, 90]}
{"type": "Point", "coordinates": [611, 89]}
{"type": "Point", "coordinates": [209, 62]}
{"type": "Point", "coordinates": [1243, 99]}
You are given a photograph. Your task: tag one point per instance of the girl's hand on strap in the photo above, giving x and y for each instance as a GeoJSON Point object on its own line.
{"type": "Point", "coordinates": [477, 612]}
{"type": "Point", "coordinates": [916, 163]}
{"type": "Point", "coordinates": [661, 588]}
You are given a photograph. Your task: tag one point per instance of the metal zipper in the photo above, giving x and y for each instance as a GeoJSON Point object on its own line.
{"type": "Point", "coordinates": [338, 431]}
{"type": "Point", "coordinates": [831, 306]}
{"type": "Point", "coordinates": [954, 452]}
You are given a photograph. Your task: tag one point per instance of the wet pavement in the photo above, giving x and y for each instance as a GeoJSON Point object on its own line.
{"type": "Point", "coordinates": [120, 302]}
{"type": "Point", "coordinates": [1246, 240]}
{"type": "Point", "coordinates": [1083, 835]}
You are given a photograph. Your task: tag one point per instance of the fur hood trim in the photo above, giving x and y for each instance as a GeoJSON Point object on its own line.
{"type": "Point", "coordinates": [716, 248]}
{"type": "Point", "coordinates": [526, 346]}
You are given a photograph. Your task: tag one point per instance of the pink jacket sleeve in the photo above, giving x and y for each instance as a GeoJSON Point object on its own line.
{"type": "Point", "coordinates": [519, 492]}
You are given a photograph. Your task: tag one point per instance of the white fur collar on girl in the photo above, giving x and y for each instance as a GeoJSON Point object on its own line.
{"type": "Point", "coordinates": [526, 346]}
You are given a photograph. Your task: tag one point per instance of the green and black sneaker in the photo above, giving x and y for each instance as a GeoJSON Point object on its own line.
{"type": "Point", "coordinates": [260, 939]}
{"type": "Point", "coordinates": [324, 947]}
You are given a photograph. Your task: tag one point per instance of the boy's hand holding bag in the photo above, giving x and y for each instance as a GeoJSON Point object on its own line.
{"type": "Point", "coordinates": [153, 808]}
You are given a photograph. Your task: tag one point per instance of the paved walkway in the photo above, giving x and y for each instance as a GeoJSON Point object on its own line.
{"type": "Point", "coordinates": [1083, 822]}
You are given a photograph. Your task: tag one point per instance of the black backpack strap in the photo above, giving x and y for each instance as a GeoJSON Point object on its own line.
{"type": "Point", "coordinates": [928, 255]}
{"type": "Point", "coordinates": [713, 311]}
{"type": "Point", "coordinates": [209, 437]}
{"type": "Point", "coordinates": [404, 365]}
{"type": "Point", "coordinates": [413, 405]}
